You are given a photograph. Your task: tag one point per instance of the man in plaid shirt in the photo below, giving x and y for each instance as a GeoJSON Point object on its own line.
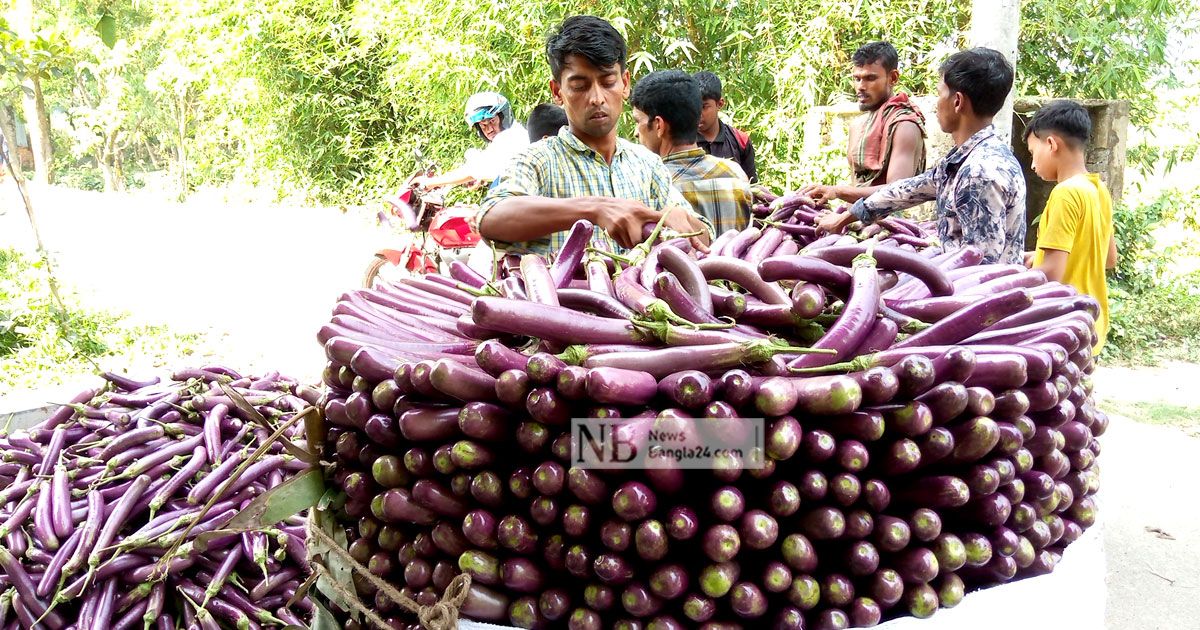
{"type": "Point", "coordinates": [666, 106]}
{"type": "Point", "coordinates": [586, 171]}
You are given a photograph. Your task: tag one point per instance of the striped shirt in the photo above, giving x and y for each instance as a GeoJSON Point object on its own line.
{"type": "Point", "coordinates": [563, 167]}
{"type": "Point", "coordinates": [716, 187]}
{"type": "Point", "coordinates": [980, 191]}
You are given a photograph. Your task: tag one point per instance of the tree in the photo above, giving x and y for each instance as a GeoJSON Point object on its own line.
{"type": "Point", "coordinates": [33, 58]}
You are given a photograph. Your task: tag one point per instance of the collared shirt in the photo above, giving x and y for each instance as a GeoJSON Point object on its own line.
{"type": "Point", "coordinates": [717, 188]}
{"type": "Point", "coordinates": [727, 145]}
{"type": "Point", "coordinates": [564, 167]}
{"type": "Point", "coordinates": [980, 193]}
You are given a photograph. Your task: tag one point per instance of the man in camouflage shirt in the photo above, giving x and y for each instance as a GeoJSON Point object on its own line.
{"type": "Point", "coordinates": [979, 186]}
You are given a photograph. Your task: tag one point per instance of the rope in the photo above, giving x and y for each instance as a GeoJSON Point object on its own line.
{"type": "Point", "coordinates": [440, 616]}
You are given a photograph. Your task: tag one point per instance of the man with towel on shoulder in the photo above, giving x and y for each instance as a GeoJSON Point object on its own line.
{"type": "Point", "coordinates": [887, 143]}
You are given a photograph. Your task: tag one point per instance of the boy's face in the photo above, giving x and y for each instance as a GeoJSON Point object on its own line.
{"type": "Point", "coordinates": [592, 97]}
{"type": "Point", "coordinates": [1045, 156]}
{"type": "Point", "coordinates": [708, 115]}
{"type": "Point", "coordinates": [873, 85]}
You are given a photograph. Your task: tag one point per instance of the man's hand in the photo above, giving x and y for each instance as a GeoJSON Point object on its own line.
{"type": "Point", "coordinates": [835, 222]}
{"type": "Point", "coordinates": [1028, 259]}
{"type": "Point", "coordinates": [623, 219]}
{"type": "Point", "coordinates": [820, 194]}
{"type": "Point", "coordinates": [685, 222]}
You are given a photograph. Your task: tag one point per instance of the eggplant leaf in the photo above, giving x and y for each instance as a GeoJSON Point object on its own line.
{"type": "Point", "coordinates": [290, 497]}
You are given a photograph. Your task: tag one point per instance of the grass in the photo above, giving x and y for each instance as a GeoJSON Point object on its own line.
{"type": "Point", "coordinates": [42, 344]}
{"type": "Point", "coordinates": [1155, 412]}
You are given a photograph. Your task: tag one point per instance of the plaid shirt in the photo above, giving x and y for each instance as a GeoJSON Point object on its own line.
{"type": "Point", "coordinates": [717, 188]}
{"type": "Point", "coordinates": [980, 193]}
{"type": "Point", "coordinates": [563, 167]}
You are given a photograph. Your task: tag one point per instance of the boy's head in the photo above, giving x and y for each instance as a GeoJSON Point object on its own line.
{"type": "Point", "coordinates": [1058, 132]}
{"type": "Point", "coordinates": [666, 105]}
{"type": "Point", "coordinates": [876, 71]}
{"type": "Point", "coordinates": [587, 59]}
{"type": "Point", "coordinates": [974, 85]}
{"type": "Point", "coordinates": [545, 120]}
{"type": "Point", "coordinates": [711, 101]}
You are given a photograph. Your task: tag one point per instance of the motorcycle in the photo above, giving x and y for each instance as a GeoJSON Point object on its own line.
{"type": "Point", "coordinates": [432, 234]}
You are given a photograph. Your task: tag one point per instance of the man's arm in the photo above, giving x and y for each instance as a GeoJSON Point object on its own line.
{"type": "Point", "coordinates": [1113, 257]}
{"type": "Point", "coordinates": [1054, 264]}
{"type": "Point", "coordinates": [903, 194]}
{"type": "Point", "coordinates": [456, 177]}
{"type": "Point", "coordinates": [902, 164]}
{"type": "Point", "coordinates": [902, 161]}
{"type": "Point", "coordinates": [528, 217]}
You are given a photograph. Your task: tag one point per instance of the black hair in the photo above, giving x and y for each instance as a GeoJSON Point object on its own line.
{"type": "Point", "coordinates": [545, 120]}
{"type": "Point", "coordinates": [710, 85]}
{"type": "Point", "coordinates": [983, 74]}
{"type": "Point", "coordinates": [589, 37]}
{"type": "Point", "coordinates": [1066, 119]}
{"type": "Point", "coordinates": [674, 96]}
{"type": "Point", "coordinates": [881, 53]}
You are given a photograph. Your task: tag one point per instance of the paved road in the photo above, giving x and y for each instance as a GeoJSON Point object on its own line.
{"type": "Point", "coordinates": [264, 279]}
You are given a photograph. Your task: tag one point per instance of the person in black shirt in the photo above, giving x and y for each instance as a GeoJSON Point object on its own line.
{"type": "Point", "coordinates": [718, 137]}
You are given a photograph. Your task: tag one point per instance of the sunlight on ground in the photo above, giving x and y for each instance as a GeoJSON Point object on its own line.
{"type": "Point", "coordinates": [1155, 412]}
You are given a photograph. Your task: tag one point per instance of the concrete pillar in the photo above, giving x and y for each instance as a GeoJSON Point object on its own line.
{"type": "Point", "coordinates": [996, 24]}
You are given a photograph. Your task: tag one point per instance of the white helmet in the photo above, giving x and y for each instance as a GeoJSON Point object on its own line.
{"type": "Point", "coordinates": [484, 105]}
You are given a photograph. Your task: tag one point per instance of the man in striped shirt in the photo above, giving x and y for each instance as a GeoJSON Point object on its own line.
{"type": "Point", "coordinates": [586, 171]}
{"type": "Point", "coordinates": [666, 106]}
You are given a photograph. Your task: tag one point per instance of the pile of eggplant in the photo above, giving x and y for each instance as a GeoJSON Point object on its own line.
{"type": "Point", "coordinates": [102, 507]}
{"type": "Point", "coordinates": [929, 429]}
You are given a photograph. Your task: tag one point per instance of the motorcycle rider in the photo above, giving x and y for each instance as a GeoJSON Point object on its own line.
{"type": "Point", "coordinates": [491, 116]}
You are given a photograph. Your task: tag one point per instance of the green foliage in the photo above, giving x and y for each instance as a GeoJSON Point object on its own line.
{"type": "Point", "coordinates": [1154, 310]}
{"type": "Point", "coordinates": [329, 98]}
{"type": "Point", "coordinates": [1100, 48]}
{"type": "Point", "coordinates": [43, 344]}
{"type": "Point", "coordinates": [1159, 324]}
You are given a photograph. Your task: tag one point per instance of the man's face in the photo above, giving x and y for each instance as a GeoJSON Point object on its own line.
{"type": "Point", "coordinates": [646, 131]}
{"type": "Point", "coordinates": [490, 127]}
{"type": "Point", "coordinates": [873, 85]}
{"type": "Point", "coordinates": [708, 114]}
{"type": "Point", "coordinates": [948, 102]}
{"type": "Point", "coordinates": [592, 97]}
{"type": "Point", "coordinates": [1043, 153]}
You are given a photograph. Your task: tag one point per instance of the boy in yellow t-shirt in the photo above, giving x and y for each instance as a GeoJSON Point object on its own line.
{"type": "Point", "coordinates": [1075, 234]}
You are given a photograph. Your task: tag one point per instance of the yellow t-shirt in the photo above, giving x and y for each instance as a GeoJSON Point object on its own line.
{"type": "Point", "coordinates": [1078, 220]}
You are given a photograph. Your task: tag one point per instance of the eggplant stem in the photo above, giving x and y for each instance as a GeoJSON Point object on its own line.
{"type": "Point", "coordinates": [574, 355]}
{"type": "Point", "coordinates": [487, 289]}
{"type": "Point", "coordinates": [643, 249]}
{"type": "Point", "coordinates": [625, 260]}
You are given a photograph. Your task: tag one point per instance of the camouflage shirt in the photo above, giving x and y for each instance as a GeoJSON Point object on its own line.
{"type": "Point", "coordinates": [980, 192]}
